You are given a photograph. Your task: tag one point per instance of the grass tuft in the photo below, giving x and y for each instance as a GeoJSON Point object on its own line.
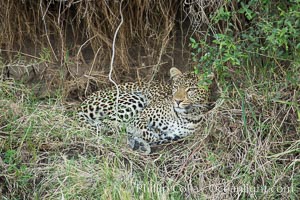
{"type": "Point", "coordinates": [248, 147]}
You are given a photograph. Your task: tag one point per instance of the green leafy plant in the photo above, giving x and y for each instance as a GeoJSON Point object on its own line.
{"type": "Point", "coordinates": [223, 55]}
{"type": "Point", "coordinates": [269, 35]}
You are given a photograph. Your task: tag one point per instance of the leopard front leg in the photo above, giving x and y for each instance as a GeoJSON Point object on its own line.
{"type": "Point", "coordinates": [138, 144]}
{"type": "Point", "coordinates": [140, 137]}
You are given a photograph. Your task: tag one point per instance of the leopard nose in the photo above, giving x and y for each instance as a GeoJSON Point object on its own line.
{"type": "Point", "coordinates": [178, 101]}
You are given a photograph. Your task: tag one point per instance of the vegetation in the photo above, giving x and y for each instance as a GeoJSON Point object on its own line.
{"type": "Point", "coordinates": [248, 148]}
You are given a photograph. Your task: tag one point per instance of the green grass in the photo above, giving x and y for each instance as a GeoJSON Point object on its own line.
{"type": "Point", "coordinates": [248, 148]}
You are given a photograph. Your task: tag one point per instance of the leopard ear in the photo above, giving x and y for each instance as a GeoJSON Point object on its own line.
{"type": "Point", "coordinates": [174, 72]}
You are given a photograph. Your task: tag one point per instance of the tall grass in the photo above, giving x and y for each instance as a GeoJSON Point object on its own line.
{"type": "Point", "coordinates": [247, 148]}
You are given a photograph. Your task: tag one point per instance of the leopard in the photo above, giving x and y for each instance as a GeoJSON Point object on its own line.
{"type": "Point", "coordinates": [115, 105]}
{"type": "Point", "coordinates": [152, 114]}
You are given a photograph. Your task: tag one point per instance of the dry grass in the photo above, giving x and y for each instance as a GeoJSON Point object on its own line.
{"type": "Point", "coordinates": [248, 147]}
{"type": "Point", "coordinates": [74, 38]}
{"type": "Point", "coordinates": [67, 44]}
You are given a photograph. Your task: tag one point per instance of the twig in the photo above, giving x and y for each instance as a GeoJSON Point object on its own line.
{"type": "Point", "coordinates": [91, 69]}
{"type": "Point", "coordinates": [113, 56]}
{"type": "Point", "coordinates": [46, 30]}
{"type": "Point", "coordinates": [24, 54]}
{"type": "Point", "coordinates": [77, 55]}
{"type": "Point", "coordinates": [162, 50]}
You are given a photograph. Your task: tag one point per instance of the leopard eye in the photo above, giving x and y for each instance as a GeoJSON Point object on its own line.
{"type": "Point", "coordinates": [191, 92]}
{"type": "Point", "coordinates": [192, 89]}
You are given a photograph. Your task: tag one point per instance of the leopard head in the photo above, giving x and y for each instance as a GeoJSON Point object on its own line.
{"type": "Point", "coordinates": [187, 93]}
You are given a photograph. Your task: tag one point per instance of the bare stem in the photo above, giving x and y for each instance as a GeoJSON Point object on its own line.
{"type": "Point", "coordinates": [113, 56]}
